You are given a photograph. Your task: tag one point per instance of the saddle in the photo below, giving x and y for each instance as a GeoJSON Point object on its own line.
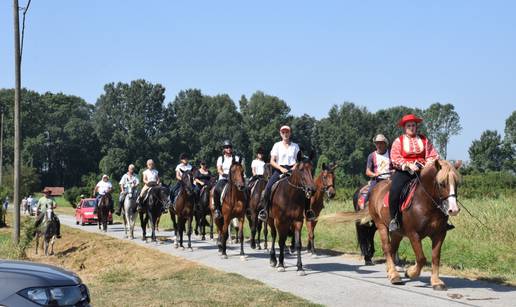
{"type": "Point", "coordinates": [362, 196]}
{"type": "Point", "coordinates": [283, 177]}
{"type": "Point", "coordinates": [146, 195]}
{"type": "Point", "coordinates": [406, 197]}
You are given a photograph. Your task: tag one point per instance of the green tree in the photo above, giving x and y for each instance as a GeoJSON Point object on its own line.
{"type": "Point", "coordinates": [386, 121]}
{"type": "Point", "coordinates": [441, 123]}
{"type": "Point", "coordinates": [487, 153]}
{"type": "Point", "coordinates": [509, 143]}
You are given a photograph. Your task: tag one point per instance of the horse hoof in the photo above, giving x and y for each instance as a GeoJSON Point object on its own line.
{"type": "Point", "coordinates": [243, 258]}
{"type": "Point", "coordinates": [224, 256]}
{"type": "Point", "coordinates": [313, 255]}
{"type": "Point", "coordinates": [281, 269]}
{"type": "Point", "coordinates": [396, 281]}
{"type": "Point", "coordinates": [183, 247]}
{"type": "Point", "coordinates": [176, 245]}
{"type": "Point", "coordinates": [301, 273]}
{"type": "Point", "coordinates": [190, 249]}
{"type": "Point", "coordinates": [439, 287]}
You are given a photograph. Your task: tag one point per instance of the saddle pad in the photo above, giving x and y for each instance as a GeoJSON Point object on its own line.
{"type": "Point", "coordinates": [275, 185]}
{"type": "Point", "coordinates": [362, 196]}
{"type": "Point", "coordinates": [223, 194]}
{"type": "Point", "coordinates": [406, 200]}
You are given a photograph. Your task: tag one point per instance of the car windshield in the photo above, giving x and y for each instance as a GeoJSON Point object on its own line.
{"type": "Point", "coordinates": [88, 204]}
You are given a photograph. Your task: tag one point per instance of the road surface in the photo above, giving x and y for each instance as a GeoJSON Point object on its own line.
{"type": "Point", "coordinates": [329, 280]}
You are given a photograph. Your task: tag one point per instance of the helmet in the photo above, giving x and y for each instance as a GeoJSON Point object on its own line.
{"type": "Point", "coordinates": [183, 156]}
{"type": "Point", "coordinates": [260, 150]}
{"type": "Point", "coordinates": [227, 143]}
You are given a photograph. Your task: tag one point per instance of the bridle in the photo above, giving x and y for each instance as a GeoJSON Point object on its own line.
{"type": "Point", "coordinates": [326, 186]}
{"type": "Point", "coordinates": [303, 187]}
{"type": "Point", "coordinates": [239, 188]}
{"type": "Point", "coordinates": [443, 201]}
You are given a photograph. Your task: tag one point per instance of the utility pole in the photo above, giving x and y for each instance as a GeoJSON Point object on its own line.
{"type": "Point", "coordinates": [1, 145]}
{"type": "Point", "coordinates": [17, 100]}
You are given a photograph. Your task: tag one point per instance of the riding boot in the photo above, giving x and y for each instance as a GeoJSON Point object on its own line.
{"type": "Point", "coordinates": [265, 200]}
{"type": "Point", "coordinates": [216, 203]}
{"type": "Point", "coordinates": [309, 213]}
{"type": "Point", "coordinates": [58, 228]}
{"type": "Point", "coordinates": [119, 208]}
{"type": "Point", "coordinates": [394, 224]}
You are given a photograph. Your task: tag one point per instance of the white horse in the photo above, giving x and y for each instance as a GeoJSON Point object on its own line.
{"type": "Point", "coordinates": [129, 212]}
{"type": "Point", "coordinates": [48, 230]}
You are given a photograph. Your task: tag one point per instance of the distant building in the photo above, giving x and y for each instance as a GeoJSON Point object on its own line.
{"type": "Point", "coordinates": [56, 191]}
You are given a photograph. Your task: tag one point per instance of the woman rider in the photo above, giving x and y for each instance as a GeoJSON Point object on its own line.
{"type": "Point", "coordinates": [257, 167]}
{"type": "Point", "coordinates": [283, 158]}
{"type": "Point", "coordinates": [224, 163]}
{"type": "Point", "coordinates": [409, 153]}
{"type": "Point", "coordinates": [202, 178]}
{"type": "Point", "coordinates": [182, 167]}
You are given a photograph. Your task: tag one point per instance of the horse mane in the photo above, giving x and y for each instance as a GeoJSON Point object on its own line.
{"type": "Point", "coordinates": [446, 170]}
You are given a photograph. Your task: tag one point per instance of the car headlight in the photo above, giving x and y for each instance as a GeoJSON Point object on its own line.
{"type": "Point", "coordinates": [58, 296]}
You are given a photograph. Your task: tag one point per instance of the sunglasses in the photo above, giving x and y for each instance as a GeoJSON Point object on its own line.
{"type": "Point", "coordinates": [226, 147]}
{"type": "Point", "coordinates": [410, 125]}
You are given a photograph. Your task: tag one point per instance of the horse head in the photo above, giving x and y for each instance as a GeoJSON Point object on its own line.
{"type": "Point", "coordinates": [236, 173]}
{"type": "Point", "coordinates": [446, 181]}
{"type": "Point", "coordinates": [187, 181]}
{"type": "Point", "coordinates": [163, 194]}
{"type": "Point", "coordinates": [302, 173]}
{"type": "Point", "coordinates": [328, 179]}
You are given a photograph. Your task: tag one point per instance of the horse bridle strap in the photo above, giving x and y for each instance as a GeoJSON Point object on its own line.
{"type": "Point", "coordinates": [441, 206]}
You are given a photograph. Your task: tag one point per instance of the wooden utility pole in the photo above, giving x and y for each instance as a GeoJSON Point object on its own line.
{"type": "Point", "coordinates": [17, 100]}
{"type": "Point", "coordinates": [1, 145]}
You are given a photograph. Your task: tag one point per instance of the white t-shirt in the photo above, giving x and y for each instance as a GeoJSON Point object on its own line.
{"type": "Point", "coordinates": [226, 165]}
{"type": "Point", "coordinates": [259, 166]}
{"type": "Point", "coordinates": [128, 181]}
{"type": "Point", "coordinates": [103, 187]}
{"type": "Point", "coordinates": [383, 163]}
{"type": "Point", "coordinates": [184, 168]}
{"type": "Point", "coordinates": [285, 155]}
{"type": "Point", "coordinates": [152, 175]}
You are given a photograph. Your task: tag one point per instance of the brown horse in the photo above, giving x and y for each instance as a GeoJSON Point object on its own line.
{"type": "Point", "coordinates": [324, 187]}
{"type": "Point", "coordinates": [184, 209]}
{"type": "Point", "coordinates": [434, 200]}
{"type": "Point", "coordinates": [255, 193]}
{"type": "Point", "coordinates": [289, 199]}
{"type": "Point", "coordinates": [233, 206]}
{"type": "Point", "coordinates": [103, 212]}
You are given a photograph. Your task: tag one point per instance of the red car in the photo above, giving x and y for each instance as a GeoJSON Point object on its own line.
{"type": "Point", "coordinates": [84, 212]}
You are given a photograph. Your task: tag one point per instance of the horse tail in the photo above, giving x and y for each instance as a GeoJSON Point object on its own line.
{"type": "Point", "coordinates": [345, 217]}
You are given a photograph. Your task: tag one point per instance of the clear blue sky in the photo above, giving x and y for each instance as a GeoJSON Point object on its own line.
{"type": "Point", "coordinates": [313, 54]}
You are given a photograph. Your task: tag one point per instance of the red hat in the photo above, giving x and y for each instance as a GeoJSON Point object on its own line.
{"type": "Point", "coordinates": [409, 118]}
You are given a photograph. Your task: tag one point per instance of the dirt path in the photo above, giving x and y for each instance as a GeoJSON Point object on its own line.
{"type": "Point", "coordinates": [331, 280]}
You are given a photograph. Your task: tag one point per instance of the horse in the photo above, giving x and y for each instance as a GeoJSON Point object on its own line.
{"type": "Point", "coordinates": [152, 205]}
{"type": "Point", "coordinates": [324, 187]}
{"type": "Point", "coordinates": [289, 198]}
{"type": "Point", "coordinates": [184, 209]}
{"type": "Point", "coordinates": [434, 200]}
{"type": "Point", "coordinates": [48, 230]}
{"type": "Point", "coordinates": [129, 212]}
{"type": "Point", "coordinates": [365, 233]}
{"type": "Point", "coordinates": [103, 212]}
{"type": "Point", "coordinates": [201, 209]}
{"type": "Point", "coordinates": [255, 194]}
{"type": "Point", "coordinates": [233, 206]}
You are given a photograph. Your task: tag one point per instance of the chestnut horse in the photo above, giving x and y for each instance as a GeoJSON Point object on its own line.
{"type": "Point", "coordinates": [289, 198]}
{"type": "Point", "coordinates": [184, 209]}
{"type": "Point", "coordinates": [255, 194]}
{"type": "Point", "coordinates": [324, 187]}
{"type": "Point", "coordinates": [434, 200]}
{"type": "Point", "coordinates": [233, 206]}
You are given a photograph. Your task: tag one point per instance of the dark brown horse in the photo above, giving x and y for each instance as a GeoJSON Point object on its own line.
{"type": "Point", "coordinates": [103, 212]}
{"type": "Point", "coordinates": [233, 206]}
{"type": "Point", "coordinates": [184, 209]}
{"type": "Point", "coordinates": [255, 193]}
{"type": "Point", "coordinates": [152, 206]}
{"type": "Point", "coordinates": [289, 199]}
{"type": "Point", "coordinates": [365, 233]}
{"type": "Point", "coordinates": [324, 188]}
{"type": "Point", "coordinates": [434, 200]}
{"type": "Point", "coordinates": [201, 209]}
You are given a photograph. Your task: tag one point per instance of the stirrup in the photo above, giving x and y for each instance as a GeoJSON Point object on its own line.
{"type": "Point", "coordinates": [262, 215]}
{"type": "Point", "coordinates": [218, 214]}
{"type": "Point", "coordinates": [394, 226]}
{"type": "Point", "coordinates": [310, 215]}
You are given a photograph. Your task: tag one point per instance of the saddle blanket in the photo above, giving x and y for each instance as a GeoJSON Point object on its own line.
{"type": "Point", "coordinates": [406, 196]}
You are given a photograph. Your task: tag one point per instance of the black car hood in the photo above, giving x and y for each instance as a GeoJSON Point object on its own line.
{"type": "Point", "coordinates": [30, 274]}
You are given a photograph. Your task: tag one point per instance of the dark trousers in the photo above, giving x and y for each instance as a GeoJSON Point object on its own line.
{"type": "Point", "coordinates": [217, 191]}
{"type": "Point", "coordinates": [399, 180]}
{"type": "Point", "coordinates": [272, 180]}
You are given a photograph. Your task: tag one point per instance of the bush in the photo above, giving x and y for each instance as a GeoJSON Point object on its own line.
{"type": "Point", "coordinates": [488, 185]}
{"type": "Point", "coordinates": [73, 194]}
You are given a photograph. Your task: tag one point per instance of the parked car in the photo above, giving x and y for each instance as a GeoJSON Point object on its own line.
{"type": "Point", "coordinates": [84, 212]}
{"type": "Point", "coordinates": [32, 284]}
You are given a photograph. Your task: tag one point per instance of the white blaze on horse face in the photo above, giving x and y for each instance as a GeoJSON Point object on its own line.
{"type": "Point", "coordinates": [453, 208]}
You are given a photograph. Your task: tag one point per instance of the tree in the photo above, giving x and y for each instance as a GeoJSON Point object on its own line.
{"type": "Point", "coordinates": [510, 142]}
{"type": "Point", "coordinates": [304, 132]}
{"type": "Point", "coordinates": [441, 122]}
{"type": "Point", "coordinates": [487, 154]}
{"type": "Point", "coordinates": [386, 121]}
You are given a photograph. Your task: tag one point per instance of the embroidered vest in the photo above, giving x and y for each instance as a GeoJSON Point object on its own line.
{"type": "Point", "coordinates": [414, 153]}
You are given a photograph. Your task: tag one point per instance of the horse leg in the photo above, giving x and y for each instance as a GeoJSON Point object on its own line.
{"type": "Point", "coordinates": [143, 225]}
{"type": "Point", "coordinates": [252, 224]}
{"type": "Point", "coordinates": [241, 237]}
{"type": "Point", "coordinates": [297, 236]}
{"type": "Point", "coordinates": [258, 232]}
{"type": "Point", "coordinates": [124, 217]}
{"type": "Point", "coordinates": [211, 226]}
{"type": "Point", "coordinates": [45, 245]}
{"type": "Point", "coordinates": [311, 236]}
{"type": "Point", "coordinates": [52, 241]}
{"type": "Point", "coordinates": [415, 270]}
{"type": "Point", "coordinates": [37, 242]}
{"type": "Point", "coordinates": [189, 232]}
{"type": "Point", "coordinates": [273, 260]}
{"type": "Point", "coordinates": [437, 242]}
{"type": "Point", "coordinates": [266, 235]}
{"type": "Point", "coordinates": [392, 274]}
{"type": "Point", "coordinates": [282, 244]}
{"type": "Point", "coordinates": [181, 224]}
{"type": "Point", "coordinates": [225, 229]}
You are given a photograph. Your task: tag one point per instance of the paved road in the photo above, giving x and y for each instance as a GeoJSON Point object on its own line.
{"type": "Point", "coordinates": [331, 280]}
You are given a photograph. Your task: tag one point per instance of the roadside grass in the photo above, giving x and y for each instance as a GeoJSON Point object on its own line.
{"type": "Point", "coordinates": [122, 273]}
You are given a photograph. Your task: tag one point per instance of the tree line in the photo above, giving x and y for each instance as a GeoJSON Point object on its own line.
{"type": "Point", "coordinates": [67, 141]}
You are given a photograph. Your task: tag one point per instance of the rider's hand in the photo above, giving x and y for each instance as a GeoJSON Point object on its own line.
{"type": "Point", "coordinates": [283, 170]}
{"type": "Point", "coordinates": [413, 167]}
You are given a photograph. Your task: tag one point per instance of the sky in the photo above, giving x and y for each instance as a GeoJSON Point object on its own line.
{"type": "Point", "coordinates": [312, 54]}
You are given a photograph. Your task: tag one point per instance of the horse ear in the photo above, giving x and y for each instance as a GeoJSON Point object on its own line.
{"type": "Point", "coordinates": [324, 166]}
{"type": "Point", "coordinates": [311, 156]}
{"type": "Point", "coordinates": [437, 165]}
{"type": "Point", "coordinates": [458, 164]}
{"type": "Point", "coordinates": [299, 156]}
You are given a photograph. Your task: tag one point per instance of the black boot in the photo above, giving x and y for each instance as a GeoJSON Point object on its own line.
{"type": "Point", "coordinates": [263, 214]}
{"type": "Point", "coordinates": [119, 209]}
{"type": "Point", "coordinates": [58, 231]}
{"type": "Point", "coordinates": [394, 225]}
{"type": "Point", "coordinates": [216, 203]}
{"type": "Point", "coordinates": [309, 213]}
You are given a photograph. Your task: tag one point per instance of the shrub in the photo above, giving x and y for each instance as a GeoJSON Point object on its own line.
{"type": "Point", "coordinates": [73, 194]}
{"type": "Point", "coordinates": [488, 185]}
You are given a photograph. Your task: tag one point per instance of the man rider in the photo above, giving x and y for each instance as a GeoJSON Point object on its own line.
{"type": "Point", "coordinates": [150, 179]}
{"type": "Point", "coordinates": [182, 167]}
{"type": "Point", "coordinates": [128, 182]}
{"type": "Point", "coordinates": [46, 202]}
{"type": "Point", "coordinates": [224, 163]}
{"type": "Point", "coordinates": [102, 188]}
{"type": "Point", "coordinates": [283, 159]}
{"type": "Point", "coordinates": [379, 166]}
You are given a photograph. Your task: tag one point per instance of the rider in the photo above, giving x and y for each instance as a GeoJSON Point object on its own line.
{"type": "Point", "coordinates": [202, 178]}
{"type": "Point", "coordinates": [223, 165]}
{"type": "Point", "coordinates": [128, 182]}
{"type": "Point", "coordinates": [47, 202]}
{"type": "Point", "coordinates": [409, 153]}
{"type": "Point", "coordinates": [379, 166]}
{"type": "Point", "coordinates": [182, 167]}
{"type": "Point", "coordinates": [283, 159]}
{"type": "Point", "coordinates": [257, 167]}
{"type": "Point", "coordinates": [150, 179]}
{"type": "Point", "coordinates": [102, 188]}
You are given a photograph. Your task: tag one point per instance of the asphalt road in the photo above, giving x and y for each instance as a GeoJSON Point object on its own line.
{"type": "Point", "coordinates": [329, 280]}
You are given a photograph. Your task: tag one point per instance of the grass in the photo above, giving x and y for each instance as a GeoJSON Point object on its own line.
{"type": "Point", "coordinates": [470, 250]}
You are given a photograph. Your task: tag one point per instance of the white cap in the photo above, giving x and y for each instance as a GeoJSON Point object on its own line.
{"type": "Point", "coordinates": [105, 176]}
{"type": "Point", "coordinates": [381, 138]}
{"type": "Point", "coordinates": [284, 127]}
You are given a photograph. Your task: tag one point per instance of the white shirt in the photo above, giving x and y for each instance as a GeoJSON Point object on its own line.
{"type": "Point", "coordinates": [226, 165]}
{"type": "Point", "coordinates": [152, 175]}
{"type": "Point", "coordinates": [285, 155]}
{"type": "Point", "coordinates": [103, 187]}
{"type": "Point", "coordinates": [383, 164]}
{"type": "Point", "coordinates": [128, 181]}
{"type": "Point", "coordinates": [259, 166]}
{"type": "Point", "coordinates": [184, 168]}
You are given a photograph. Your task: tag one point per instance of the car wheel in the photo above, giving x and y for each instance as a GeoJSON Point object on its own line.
{"type": "Point", "coordinates": [110, 222]}
{"type": "Point", "coordinates": [76, 222]}
{"type": "Point", "coordinates": [82, 221]}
